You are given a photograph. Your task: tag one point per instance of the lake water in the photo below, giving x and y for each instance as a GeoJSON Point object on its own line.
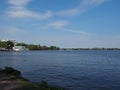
{"type": "Point", "coordinates": [71, 69]}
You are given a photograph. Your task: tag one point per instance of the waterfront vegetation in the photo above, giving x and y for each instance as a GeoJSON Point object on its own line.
{"type": "Point", "coordinates": [90, 48]}
{"type": "Point", "coordinates": [38, 47]}
{"type": "Point", "coordinates": [8, 45]}
{"type": "Point", "coordinates": [20, 83]}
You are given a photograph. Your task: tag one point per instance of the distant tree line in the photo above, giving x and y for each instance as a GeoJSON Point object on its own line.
{"type": "Point", "coordinates": [90, 48]}
{"type": "Point", "coordinates": [8, 45]}
{"type": "Point", "coordinates": [38, 47]}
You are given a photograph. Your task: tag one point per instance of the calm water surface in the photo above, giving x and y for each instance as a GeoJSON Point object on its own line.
{"type": "Point", "coordinates": [73, 70]}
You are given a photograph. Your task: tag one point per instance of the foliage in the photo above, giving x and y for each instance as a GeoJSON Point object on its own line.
{"type": "Point", "coordinates": [90, 49]}
{"type": "Point", "coordinates": [10, 71]}
{"type": "Point", "coordinates": [7, 44]}
{"type": "Point", "coordinates": [26, 84]}
{"type": "Point", "coordinates": [53, 47]}
{"type": "Point", "coordinates": [21, 44]}
{"type": "Point", "coordinates": [3, 44]}
{"type": "Point", "coordinates": [44, 86]}
{"type": "Point", "coordinates": [37, 47]}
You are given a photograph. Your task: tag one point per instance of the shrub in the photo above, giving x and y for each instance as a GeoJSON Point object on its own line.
{"type": "Point", "coordinates": [11, 71]}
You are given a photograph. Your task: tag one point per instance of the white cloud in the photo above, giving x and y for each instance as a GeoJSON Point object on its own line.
{"type": "Point", "coordinates": [69, 12]}
{"type": "Point", "coordinates": [62, 25]}
{"type": "Point", "coordinates": [18, 10]}
{"type": "Point", "coordinates": [81, 8]}
{"type": "Point", "coordinates": [27, 13]}
{"type": "Point", "coordinates": [18, 2]}
{"type": "Point", "coordinates": [88, 4]}
{"type": "Point", "coordinates": [76, 31]}
{"type": "Point", "coordinates": [93, 2]}
{"type": "Point", "coordinates": [57, 24]}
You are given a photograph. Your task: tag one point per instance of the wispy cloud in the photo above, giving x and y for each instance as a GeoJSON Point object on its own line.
{"type": "Point", "coordinates": [24, 13]}
{"type": "Point", "coordinates": [76, 31]}
{"type": "Point", "coordinates": [68, 12]}
{"type": "Point", "coordinates": [93, 2]}
{"type": "Point", "coordinates": [63, 25]}
{"type": "Point", "coordinates": [19, 3]}
{"type": "Point", "coordinates": [18, 9]}
{"type": "Point", "coordinates": [81, 8]}
{"type": "Point", "coordinates": [57, 24]}
{"type": "Point", "coordinates": [11, 32]}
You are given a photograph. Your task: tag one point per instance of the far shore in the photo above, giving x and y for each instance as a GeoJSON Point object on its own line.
{"type": "Point", "coordinates": [69, 49]}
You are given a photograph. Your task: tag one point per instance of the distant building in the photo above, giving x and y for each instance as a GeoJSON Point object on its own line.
{"type": "Point", "coordinates": [8, 40]}
{"type": "Point", "coordinates": [4, 40]}
{"type": "Point", "coordinates": [19, 48]}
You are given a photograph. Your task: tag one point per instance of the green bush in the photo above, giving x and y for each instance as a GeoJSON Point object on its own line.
{"type": "Point", "coordinates": [11, 71]}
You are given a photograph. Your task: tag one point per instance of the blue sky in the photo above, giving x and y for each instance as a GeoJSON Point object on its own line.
{"type": "Point", "coordinates": [64, 23]}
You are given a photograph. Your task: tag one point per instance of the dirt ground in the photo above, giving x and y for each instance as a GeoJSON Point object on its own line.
{"type": "Point", "coordinates": [7, 84]}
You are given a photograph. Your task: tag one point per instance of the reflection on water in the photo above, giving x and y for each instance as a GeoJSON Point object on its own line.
{"type": "Point", "coordinates": [74, 70]}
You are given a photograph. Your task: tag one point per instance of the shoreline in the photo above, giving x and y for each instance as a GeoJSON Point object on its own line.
{"type": "Point", "coordinates": [11, 79]}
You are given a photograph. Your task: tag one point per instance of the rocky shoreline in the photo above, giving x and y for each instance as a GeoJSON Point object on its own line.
{"type": "Point", "coordinates": [10, 79]}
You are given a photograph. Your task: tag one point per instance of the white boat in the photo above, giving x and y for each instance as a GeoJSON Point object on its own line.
{"type": "Point", "coordinates": [20, 48]}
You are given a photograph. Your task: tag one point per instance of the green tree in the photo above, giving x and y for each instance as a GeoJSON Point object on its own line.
{"type": "Point", "coordinates": [53, 48]}
{"type": "Point", "coordinates": [7, 45]}
{"type": "Point", "coordinates": [10, 45]}
{"type": "Point", "coordinates": [3, 44]}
